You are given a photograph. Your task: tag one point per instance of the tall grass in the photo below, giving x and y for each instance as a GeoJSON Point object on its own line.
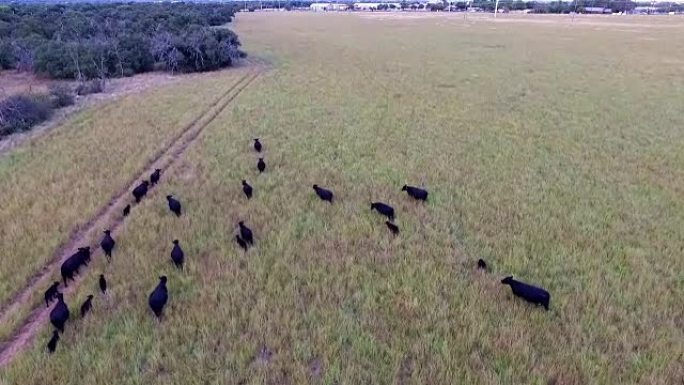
{"type": "Point", "coordinates": [551, 151]}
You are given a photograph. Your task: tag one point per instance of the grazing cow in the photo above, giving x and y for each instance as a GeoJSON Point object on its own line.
{"type": "Point", "coordinates": [103, 284]}
{"type": "Point", "coordinates": [261, 165]}
{"type": "Point", "coordinates": [415, 192]}
{"type": "Point", "coordinates": [177, 255]}
{"type": "Point", "coordinates": [324, 194]}
{"type": "Point", "coordinates": [247, 189]}
{"type": "Point", "coordinates": [158, 297]}
{"type": "Point", "coordinates": [241, 242]}
{"type": "Point", "coordinates": [529, 293]}
{"type": "Point", "coordinates": [51, 293]}
{"type": "Point", "coordinates": [392, 227]}
{"type": "Point", "coordinates": [107, 244]}
{"type": "Point", "coordinates": [481, 264]}
{"type": "Point", "coordinates": [383, 209]}
{"type": "Point", "coordinates": [257, 145]}
{"type": "Point", "coordinates": [154, 178]}
{"type": "Point", "coordinates": [87, 305]}
{"type": "Point", "coordinates": [140, 191]}
{"type": "Point", "coordinates": [126, 210]}
{"type": "Point", "coordinates": [60, 313]}
{"type": "Point", "coordinates": [246, 233]}
{"type": "Point", "coordinates": [52, 344]}
{"type": "Point", "coordinates": [73, 263]}
{"type": "Point", "coordinates": [174, 205]}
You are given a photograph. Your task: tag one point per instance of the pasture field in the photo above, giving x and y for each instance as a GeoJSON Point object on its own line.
{"type": "Point", "coordinates": [553, 150]}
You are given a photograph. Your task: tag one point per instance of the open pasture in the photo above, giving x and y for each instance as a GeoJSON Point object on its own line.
{"type": "Point", "coordinates": [551, 150]}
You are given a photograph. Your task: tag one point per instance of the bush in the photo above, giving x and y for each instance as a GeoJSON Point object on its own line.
{"type": "Point", "coordinates": [21, 112]}
{"type": "Point", "coordinates": [94, 86]}
{"type": "Point", "coordinates": [60, 95]}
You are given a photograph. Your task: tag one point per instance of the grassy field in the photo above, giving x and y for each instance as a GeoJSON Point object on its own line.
{"type": "Point", "coordinates": [56, 183]}
{"type": "Point", "coordinates": [550, 149]}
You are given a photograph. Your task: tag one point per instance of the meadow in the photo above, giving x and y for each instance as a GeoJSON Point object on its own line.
{"type": "Point", "coordinates": [551, 149]}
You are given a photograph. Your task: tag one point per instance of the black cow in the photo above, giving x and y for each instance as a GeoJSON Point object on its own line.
{"type": "Point", "coordinates": [324, 194]}
{"type": "Point", "coordinates": [60, 313]}
{"type": "Point", "coordinates": [383, 209]}
{"type": "Point", "coordinates": [73, 263]}
{"type": "Point", "coordinates": [177, 255]}
{"type": "Point", "coordinates": [158, 297]}
{"type": "Point", "coordinates": [140, 191]}
{"type": "Point", "coordinates": [247, 189]}
{"type": "Point", "coordinates": [246, 233]}
{"type": "Point", "coordinates": [415, 192]}
{"type": "Point", "coordinates": [529, 293]}
{"type": "Point", "coordinates": [174, 205]}
{"type": "Point", "coordinates": [107, 244]}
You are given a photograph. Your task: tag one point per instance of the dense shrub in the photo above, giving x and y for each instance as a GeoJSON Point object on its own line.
{"type": "Point", "coordinates": [94, 86]}
{"type": "Point", "coordinates": [61, 95]}
{"type": "Point", "coordinates": [87, 41]}
{"type": "Point", "coordinates": [21, 112]}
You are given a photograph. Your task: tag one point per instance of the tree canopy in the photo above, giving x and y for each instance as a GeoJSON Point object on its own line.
{"type": "Point", "coordinates": [85, 41]}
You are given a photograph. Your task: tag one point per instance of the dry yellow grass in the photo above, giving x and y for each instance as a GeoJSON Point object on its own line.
{"type": "Point", "coordinates": [551, 151]}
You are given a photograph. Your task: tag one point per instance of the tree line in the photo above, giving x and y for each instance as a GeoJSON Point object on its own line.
{"type": "Point", "coordinates": [97, 41]}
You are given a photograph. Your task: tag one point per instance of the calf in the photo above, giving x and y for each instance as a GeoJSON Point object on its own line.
{"type": "Point", "coordinates": [103, 284]}
{"type": "Point", "coordinates": [154, 178]}
{"type": "Point", "coordinates": [87, 305]}
{"type": "Point", "coordinates": [51, 293]}
{"type": "Point", "coordinates": [52, 344]}
{"type": "Point", "coordinates": [392, 227]}
{"type": "Point", "coordinates": [529, 293]}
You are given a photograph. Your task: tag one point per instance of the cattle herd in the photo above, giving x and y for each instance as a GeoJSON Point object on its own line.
{"type": "Point", "coordinates": [59, 315]}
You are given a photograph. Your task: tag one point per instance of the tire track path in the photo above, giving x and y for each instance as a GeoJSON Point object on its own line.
{"type": "Point", "coordinates": [107, 217]}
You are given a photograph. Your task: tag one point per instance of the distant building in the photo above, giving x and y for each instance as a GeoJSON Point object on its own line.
{"type": "Point", "coordinates": [318, 7]}
{"type": "Point", "coordinates": [599, 10]}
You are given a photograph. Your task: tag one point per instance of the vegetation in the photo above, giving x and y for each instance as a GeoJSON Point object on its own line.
{"type": "Point", "coordinates": [553, 153]}
{"type": "Point", "coordinates": [21, 112]}
{"type": "Point", "coordinates": [86, 41]}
